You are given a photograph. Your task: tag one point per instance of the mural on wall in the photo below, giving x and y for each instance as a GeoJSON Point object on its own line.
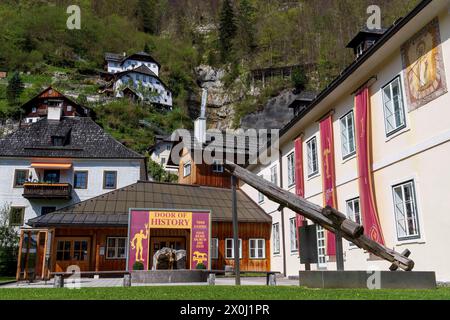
{"type": "Point", "coordinates": [424, 67]}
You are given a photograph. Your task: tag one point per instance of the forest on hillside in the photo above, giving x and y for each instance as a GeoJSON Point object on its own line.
{"type": "Point", "coordinates": [236, 35]}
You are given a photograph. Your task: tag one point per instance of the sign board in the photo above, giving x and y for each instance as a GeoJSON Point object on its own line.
{"type": "Point", "coordinates": [308, 244]}
{"type": "Point", "coordinates": [142, 221]}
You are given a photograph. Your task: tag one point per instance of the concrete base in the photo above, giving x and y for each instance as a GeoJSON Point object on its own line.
{"type": "Point", "coordinates": [169, 276]}
{"type": "Point", "coordinates": [368, 279]}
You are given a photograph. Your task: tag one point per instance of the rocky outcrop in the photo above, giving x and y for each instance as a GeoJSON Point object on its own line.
{"type": "Point", "coordinates": [8, 126]}
{"type": "Point", "coordinates": [169, 259]}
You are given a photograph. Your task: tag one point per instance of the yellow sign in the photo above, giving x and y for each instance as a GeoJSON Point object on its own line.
{"type": "Point", "coordinates": [170, 220]}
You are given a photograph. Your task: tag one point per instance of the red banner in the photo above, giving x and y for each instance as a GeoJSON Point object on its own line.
{"type": "Point", "coordinates": [366, 193]}
{"type": "Point", "coordinates": [299, 182]}
{"type": "Point", "coordinates": [328, 174]}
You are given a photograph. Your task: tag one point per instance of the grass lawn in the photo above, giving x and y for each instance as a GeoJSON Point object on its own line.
{"type": "Point", "coordinates": [219, 293]}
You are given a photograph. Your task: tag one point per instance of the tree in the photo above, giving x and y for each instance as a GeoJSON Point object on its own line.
{"type": "Point", "coordinates": [227, 29]}
{"type": "Point", "coordinates": [299, 79]}
{"type": "Point", "coordinates": [9, 243]}
{"type": "Point", "coordinates": [14, 90]}
{"type": "Point", "coordinates": [147, 13]}
{"type": "Point", "coordinates": [157, 173]}
{"type": "Point", "coordinates": [246, 26]}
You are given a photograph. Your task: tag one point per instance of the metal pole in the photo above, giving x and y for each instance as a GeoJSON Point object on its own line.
{"type": "Point", "coordinates": [339, 252]}
{"type": "Point", "coordinates": [235, 232]}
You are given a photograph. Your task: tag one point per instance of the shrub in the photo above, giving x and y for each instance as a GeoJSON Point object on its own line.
{"type": "Point", "coordinates": [200, 266]}
{"type": "Point", "coordinates": [138, 266]}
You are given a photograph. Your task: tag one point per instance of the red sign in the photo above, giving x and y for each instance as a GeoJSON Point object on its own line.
{"type": "Point", "coordinates": [299, 182]}
{"type": "Point", "coordinates": [366, 193]}
{"type": "Point", "coordinates": [328, 174]}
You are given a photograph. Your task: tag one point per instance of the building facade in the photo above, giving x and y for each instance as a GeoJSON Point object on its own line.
{"type": "Point", "coordinates": [389, 170]}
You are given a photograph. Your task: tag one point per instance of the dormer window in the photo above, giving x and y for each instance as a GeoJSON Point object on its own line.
{"type": "Point", "coordinates": [69, 108]}
{"type": "Point", "coordinates": [33, 110]}
{"type": "Point", "coordinates": [360, 50]}
{"type": "Point", "coordinates": [57, 141]}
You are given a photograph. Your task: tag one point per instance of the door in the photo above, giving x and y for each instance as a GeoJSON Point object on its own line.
{"type": "Point", "coordinates": [72, 251]}
{"type": "Point", "coordinates": [51, 176]}
{"type": "Point", "coordinates": [157, 243]}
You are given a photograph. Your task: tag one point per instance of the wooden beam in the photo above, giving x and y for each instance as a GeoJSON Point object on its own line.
{"type": "Point", "coordinates": [334, 222]}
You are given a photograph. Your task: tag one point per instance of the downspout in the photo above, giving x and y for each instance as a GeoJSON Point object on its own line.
{"type": "Point", "coordinates": [280, 160]}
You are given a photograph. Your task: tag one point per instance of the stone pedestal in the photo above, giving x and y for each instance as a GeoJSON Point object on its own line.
{"type": "Point", "coordinates": [59, 282]}
{"type": "Point", "coordinates": [127, 280]}
{"type": "Point", "coordinates": [211, 279]}
{"type": "Point", "coordinates": [272, 280]}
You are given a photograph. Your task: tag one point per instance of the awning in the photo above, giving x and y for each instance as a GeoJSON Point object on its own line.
{"type": "Point", "coordinates": [57, 166]}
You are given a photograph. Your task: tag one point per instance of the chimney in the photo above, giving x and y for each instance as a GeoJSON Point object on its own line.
{"type": "Point", "coordinates": [54, 112]}
{"type": "Point", "coordinates": [200, 123]}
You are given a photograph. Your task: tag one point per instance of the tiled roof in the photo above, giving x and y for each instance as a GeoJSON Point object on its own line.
{"type": "Point", "coordinates": [111, 209]}
{"type": "Point", "coordinates": [84, 139]}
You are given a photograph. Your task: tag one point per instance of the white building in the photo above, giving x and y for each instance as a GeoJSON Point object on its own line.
{"type": "Point", "coordinates": [408, 128]}
{"type": "Point", "coordinates": [138, 74]}
{"type": "Point", "coordinates": [160, 153]}
{"type": "Point", "coordinates": [58, 161]}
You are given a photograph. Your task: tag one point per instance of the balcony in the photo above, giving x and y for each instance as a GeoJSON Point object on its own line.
{"type": "Point", "coordinates": [47, 190]}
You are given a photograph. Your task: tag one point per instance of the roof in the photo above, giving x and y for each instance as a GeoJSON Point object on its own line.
{"type": "Point", "coordinates": [121, 58]}
{"type": "Point", "coordinates": [111, 209]}
{"type": "Point", "coordinates": [304, 96]}
{"type": "Point", "coordinates": [396, 27]}
{"type": "Point", "coordinates": [364, 34]}
{"type": "Point", "coordinates": [84, 139]}
{"type": "Point", "coordinates": [142, 69]}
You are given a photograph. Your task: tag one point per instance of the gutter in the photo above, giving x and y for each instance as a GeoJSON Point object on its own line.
{"type": "Point", "coordinates": [353, 67]}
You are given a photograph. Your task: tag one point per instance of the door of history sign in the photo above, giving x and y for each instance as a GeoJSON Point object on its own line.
{"type": "Point", "coordinates": [142, 221]}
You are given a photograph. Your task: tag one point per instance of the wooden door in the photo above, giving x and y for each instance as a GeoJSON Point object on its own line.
{"type": "Point", "coordinates": [72, 251]}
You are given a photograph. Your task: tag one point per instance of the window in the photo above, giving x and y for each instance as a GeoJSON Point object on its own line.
{"type": "Point", "coordinates": [116, 248]}
{"type": "Point", "coordinates": [217, 167]}
{"type": "Point", "coordinates": [321, 249]}
{"type": "Point", "coordinates": [229, 248]}
{"type": "Point", "coordinates": [257, 248]}
{"type": "Point", "coordinates": [187, 169]}
{"type": "Point", "coordinates": [348, 135]}
{"type": "Point", "coordinates": [80, 250]}
{"type": "Point", "coordinates": [80, 179]}
{"type": "Point", "coordinates": [63, 249]}
{"type": "Point", "coordinates": [109, 180]}
{"type": "Point", "coordinates": [20, 177]}
{"type": "Point", "coordinates": [33, 110]}
{"type": "Point", "coordinates": [47, 210]}
{"type": "Point", "coordinates": [291, 169]}
{"type": "Point", "coordinates": [51, 176]}
{"type": "Point", "coordinates": [214, 248]}
{"type": "Point", "coordinates": [274, 174]}
{"type": "Point", "coordinates": [276, 238]}
{"type": "Point", "coordinates": [405, 208]}
{"type": "Point", "coordinates": [293, 233]}
{"type": "Point", "coordinates": [313, 163]}
{"type": "Point", "coordinates": [69, 108]}
{"type": "Point", "coordinates": [260, 195]}
{"type": "Point", "coordinates": [354, 212]}
{"type": "Point", "coordinates": [163, 161]}
{"type": "Point", "coordinates": [57, 141]}
{"type": "Point", "coordinates": [394, 113]}
{"type": "Point", "coordinates": [16, 216]}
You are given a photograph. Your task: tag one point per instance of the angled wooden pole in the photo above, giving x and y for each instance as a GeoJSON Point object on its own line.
{"type": "Point", "coordinates": [237, 271]}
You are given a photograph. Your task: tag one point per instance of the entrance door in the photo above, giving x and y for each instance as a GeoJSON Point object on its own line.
{"type": "Point", "coordinates": [157, 243]}
{"type": "Point", "coordinates": [72, 251]}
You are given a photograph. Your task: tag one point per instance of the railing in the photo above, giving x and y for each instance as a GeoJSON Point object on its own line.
{"type": "Point", "coordinates": [36, 190]}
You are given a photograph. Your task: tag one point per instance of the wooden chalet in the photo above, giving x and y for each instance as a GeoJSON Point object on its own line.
{"type": "Point", "coordinates": [93, 234]}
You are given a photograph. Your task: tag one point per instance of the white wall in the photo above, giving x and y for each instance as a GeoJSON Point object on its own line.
{"type": "Point", "coordinates": [114, 67]}
{"type": "Point", "coordinates": [128, 172]}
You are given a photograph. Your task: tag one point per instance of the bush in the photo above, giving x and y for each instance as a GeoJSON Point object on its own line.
{"type": "Point", "coordinates": [138, 266]}
{"type": "Point", "coordinates": [200, 266]}
{"type": "Point", "coordinates": [8, 261]}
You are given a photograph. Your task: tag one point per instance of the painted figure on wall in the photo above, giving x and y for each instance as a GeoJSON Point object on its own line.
{"type": "Point", "coordinates": [138, 239]}
{"type": "Point", "coordinates": [424, 67]}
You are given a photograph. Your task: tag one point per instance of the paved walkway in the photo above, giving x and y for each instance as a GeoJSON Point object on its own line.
{"type": "Point", "coordinates": [118, 282]}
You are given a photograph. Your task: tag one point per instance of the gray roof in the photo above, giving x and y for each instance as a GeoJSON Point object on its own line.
{"type": "Point", "coordinates": [83, 139]}
{"type": "Point", "coordinates": [111, 209]}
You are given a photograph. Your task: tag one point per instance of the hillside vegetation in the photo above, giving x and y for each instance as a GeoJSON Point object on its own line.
{"type": "Point", "coordinates": [237, 36]}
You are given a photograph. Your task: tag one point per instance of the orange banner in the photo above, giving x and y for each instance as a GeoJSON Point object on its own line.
{"type": "Point", "coordinates": [328, 174]}
{"type": "Point", "coordinates": [369, 213]}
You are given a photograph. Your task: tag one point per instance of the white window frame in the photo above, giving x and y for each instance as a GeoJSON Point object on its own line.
{"type": "Point", "coordinates": [215, 248]}
{"type": "Point", "coordinates": [276, 238]}
{"type": "Point", "coordinates": [291, 169]}
{"type": "Point", "coordinates": [217, 167]}
{"type": "Point", "coordinates": [348, 145]}
{"type": "Point", "coordinates": [312, 157]}
{"type": "Point", "coordinates": [274, 174]}
{"type": "Point", "coordinates": [321, 247]}
{"type": "Point", "coordinates": [185, 166]}
{"type": "Point", "coordinates": [351, 212]}
{"type": "Point", "coordinates": [403, 206]}
{"type": "Point", "coordinates": [261, 197]}
{"type": "Point", "coordinates": [293, 234]}
{"type": "Point", "coordinates": [116, 247]}
{"type": "Point", "coordinates": [386, 109]}
{"type": "Point", "coordinates": [227, 247]}
{"type": "Point", "coordinates": [254, 249]}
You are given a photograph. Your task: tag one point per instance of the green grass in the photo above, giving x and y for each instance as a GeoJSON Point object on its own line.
{"type": "Point", "coordinates": [220, 293]}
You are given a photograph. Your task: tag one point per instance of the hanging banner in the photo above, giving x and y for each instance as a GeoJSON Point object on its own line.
{"type": "Point", "coordinates": [328, 174]}
{"type": "Point", "coordinates": [142, 221]}
{"type": "Point", "coordinates": [372, 226]}
{"type": "Point", "coordinates": [299, 183]}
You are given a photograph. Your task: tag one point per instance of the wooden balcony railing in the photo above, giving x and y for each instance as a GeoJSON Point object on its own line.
{"type": "Point", "coordinates": [36, 190]}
